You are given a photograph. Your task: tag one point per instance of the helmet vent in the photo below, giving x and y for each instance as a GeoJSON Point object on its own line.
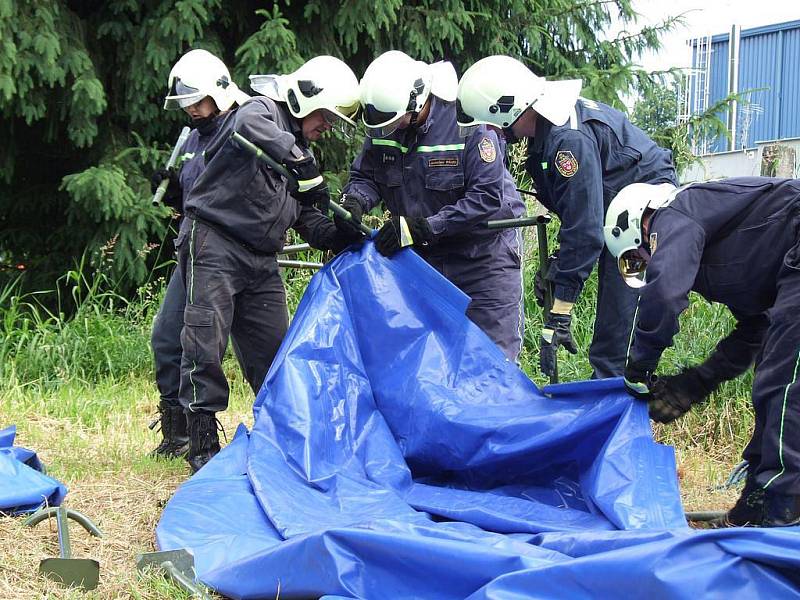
{"type": "Point", "coordinates": [291, 98]}
{"type": "Point", "coordinates": [308, 88]}
{"type": "Point", "coordinates": [504, 104]}
{"type": "Point", "coordinates": [622, 221]}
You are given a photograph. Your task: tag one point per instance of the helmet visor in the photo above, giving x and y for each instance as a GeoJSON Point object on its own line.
{"type": "Point", "coordinates": [181, 95]}
{"type": "Point", "coordinates": [339, 122]}
{"type": "Point", "coordinates": [466, 123]}
{"type": "Point", "coordinates": [632, 266]}
{"type": "Point", "coordinates": [387, 129]}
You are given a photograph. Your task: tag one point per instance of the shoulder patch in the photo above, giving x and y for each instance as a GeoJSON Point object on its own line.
{"type": "Point", "coordinates": [566, 163]}
{"type": "Point", "coordinates": [487, 150]}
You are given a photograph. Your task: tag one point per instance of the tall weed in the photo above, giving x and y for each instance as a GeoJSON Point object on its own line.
{"type": "Point", "coordinates": [106, 335]}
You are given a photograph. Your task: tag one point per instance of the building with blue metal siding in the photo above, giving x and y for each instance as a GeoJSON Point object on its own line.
{"type": "Point", "coordinates": [766, 70]}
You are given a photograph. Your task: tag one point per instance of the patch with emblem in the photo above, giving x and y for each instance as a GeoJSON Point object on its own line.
{"type": "Point", "coordinates": [487, 150]}
{"type": "Point", "coordinates": [388, 158]}
{"type": "Point", "coordinates": [566, 163]}
{"type": "Point", "coordinates": [443, 162]}
{"type": "Point", "coordinates": [653, 243]}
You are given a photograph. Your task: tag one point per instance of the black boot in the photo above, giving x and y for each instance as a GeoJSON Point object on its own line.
{"type": "Point", "coordinates": [748, 510]}
{"type": "Point", "coordinates": [203, 439]}
{"type": "Point", "coordinates": [173, 427]}
{"type": "Point", "coordinates": [781, 510]}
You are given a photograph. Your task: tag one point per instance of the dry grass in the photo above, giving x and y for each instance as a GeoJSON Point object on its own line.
{"type": "Point", "coordinates": [95, 439]}
{"type": "Point", "coordinates": [102, 458]}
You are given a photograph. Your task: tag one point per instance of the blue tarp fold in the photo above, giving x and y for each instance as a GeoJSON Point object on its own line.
{"type": "Point", "coordinates": [396, 453]}
{"type": "Point", "coordinates": [24, 487]}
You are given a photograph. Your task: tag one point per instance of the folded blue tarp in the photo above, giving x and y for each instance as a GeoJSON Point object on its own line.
{"type": "Point", "coordinates": [23, 485]}
{"type": "Point", "coordinates": [397, 454]}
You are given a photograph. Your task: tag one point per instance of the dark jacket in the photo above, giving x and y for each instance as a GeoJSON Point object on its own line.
{"type": "Point", "coordinates": [726, 240]}
{"type": "Point", "coordinates": [578, 168]}
{"type": "Point", "coordinates": [240, 196]}
{"type": "Point", "coordinates": [192, 161]}
{"type": "Point", "coordinates": [458, 184]}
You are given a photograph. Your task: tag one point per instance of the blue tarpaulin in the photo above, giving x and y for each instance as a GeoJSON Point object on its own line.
{"type": "Point", "coordinates": [397, 454]}
{"type": "Point", "coordinates": [23, 485]}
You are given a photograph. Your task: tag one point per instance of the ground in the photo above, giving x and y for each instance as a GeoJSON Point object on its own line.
{"type": "Point", "coordinates": [95, 439]}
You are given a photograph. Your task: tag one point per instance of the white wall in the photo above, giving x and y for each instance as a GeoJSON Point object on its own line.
{"type": "Point", "coordinates": [741, 163]}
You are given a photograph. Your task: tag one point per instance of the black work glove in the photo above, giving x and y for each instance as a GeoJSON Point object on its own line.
{"type": "Point", "coordinates": [311, 187]}
{"type": "Point", "coordinates": [639, 379]}
{"type": "Point", "coordinates": [390, 237]}
{"type": "Point", "coordinates": [172, 196]}
{"type": "Point", "coordinates": [353, 206]}
{"type": "Point", "coordinates": [675, 395]}
{"type": "Point", "coordinates": [542, 284]}
{"type": "Point", "coordinates": [341, 240]}
{"type": "Point", "coordinates": [557, 332]}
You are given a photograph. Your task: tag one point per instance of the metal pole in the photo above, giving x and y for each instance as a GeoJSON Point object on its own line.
{"type": "Point", "coordinates": [173, 159]}
{"type": "Point", "coordinates": [283, 171]}
{"type": "Point", "coordinates": [294, 249]}
{"type": "Point", "coordinates": [299, 264]}
{"type": "Point", "coordinates": [541, 238]}
{"type": "Point", "coordinates": [733, 80]}
{"type": "Point", "coordinates": [519, 222]}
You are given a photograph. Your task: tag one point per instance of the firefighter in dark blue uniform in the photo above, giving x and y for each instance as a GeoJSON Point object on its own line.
{"type": "Point", "coordinates": [203, 107]}
{"type": "Point", "coordinates": [736, 242]}
{"type": "Point", "coordinates": [237, 214]}
{"type": "Point", "coordinates": [441, 190]}
{"type": "Point", "coordinates": [580, 154]}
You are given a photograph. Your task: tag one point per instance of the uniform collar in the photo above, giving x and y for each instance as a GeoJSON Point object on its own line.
{"type": "Point", "coordinates": [433, 114]}
{"type": "Point", "coordinates": [295, 124]}
{"type": "Point", "coordinates": [543, 127]}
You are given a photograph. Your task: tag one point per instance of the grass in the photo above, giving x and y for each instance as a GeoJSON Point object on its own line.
{"type": "Point", "coordinates": [95, 438]}
{"type": "Point", "coordinates": [80, 391]}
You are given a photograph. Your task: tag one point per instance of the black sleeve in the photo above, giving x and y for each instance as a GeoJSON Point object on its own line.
{"type": "Point", "coordinates": [255, 121]}
{"type": "Point", "coordinates": [735, 353]}
{"type": "Point", "coordinates": [361, 183]}
{"type": "Point", "coordinates": [671, 273]}
{"type": "Point", "coordinates": [316, 229]}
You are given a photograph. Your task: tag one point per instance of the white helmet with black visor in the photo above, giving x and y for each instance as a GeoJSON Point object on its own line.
{"type": "Point", "coordinates": [623, 230]}
{"type": "Point", "coordinates": [395, 88]}
{"type": "Point", "coordinates": [199, 74]}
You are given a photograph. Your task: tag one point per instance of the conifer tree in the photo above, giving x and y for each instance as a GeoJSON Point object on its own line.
{"type": "Point", "coordinates": [82, 84]}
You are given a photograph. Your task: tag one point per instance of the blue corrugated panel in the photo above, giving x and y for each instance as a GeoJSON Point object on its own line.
{"type": "Point", "coordinates": [769, 60]}
{"type": "Point", "coordinates": [718, 85]}
{"type": "Point", "coordinates": [760, 67]}
{"type": "Point", "coordinates": [790, 86]}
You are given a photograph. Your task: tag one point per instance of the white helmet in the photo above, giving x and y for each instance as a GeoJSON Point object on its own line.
{"type": "Point", "coordinates": [198, 74]}
{"type": "Point", "coordinates": [395, 85]}
{"type": "Point", "coordinates": [623, 227]}
{"type": "Point", "coordinates": [496, 90]}
{"type": "Point", "coordinates": [323, 82]}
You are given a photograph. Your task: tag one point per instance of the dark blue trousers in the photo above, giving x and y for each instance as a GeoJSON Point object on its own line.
{"type": "Point", "coordinates": [774, 450]}
{"type": "Point", "coordinates": [491, 275]}
{"type": "Point", "coordinates": [616, 306]}
{"type": "Point", "coordinates": [166, 339]}
{"type": "Point", "coordinates": [230, 291]}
